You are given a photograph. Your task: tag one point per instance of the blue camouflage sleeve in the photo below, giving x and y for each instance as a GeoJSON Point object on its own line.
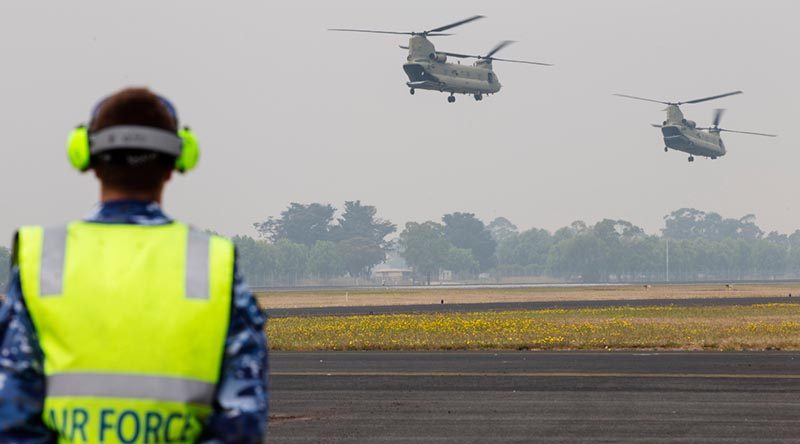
{"type": "Point", "coordinates": [241, 404]}
{"type": "Point", "coordinates": [22, 382]}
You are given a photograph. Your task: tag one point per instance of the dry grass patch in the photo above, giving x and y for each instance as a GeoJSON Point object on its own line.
{"type": "Point", "coordinates": [433, 295]}
{"type": "Point", "coordinates": [755, 327]}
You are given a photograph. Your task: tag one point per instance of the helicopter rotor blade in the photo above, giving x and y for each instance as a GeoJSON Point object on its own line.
{"type": "Point", "coordinates": [704, 99]}
{"type": "Point", "coordinates": [520, 61]}
{"type": "Point", "coordinates": [370, 31]}
{"type": "Point", "coordinates": [717, 116]}
{"type": "Point", "coordinates": [467, 56]}
{"type": "Point", "coordinates": [453, 25]}
{"type": "Point", "coordinates": [457, 55]}
{"type": "Point", "coordinates": [499, 46]}
{"type": "Point", "coordinates": [655, 125]}
{"type": "Point", "coordinates": [642, 98]}
{"type": "Point", "coordinates": [747, 132]}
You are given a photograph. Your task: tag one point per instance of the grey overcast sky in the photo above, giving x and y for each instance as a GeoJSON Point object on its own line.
{"type": "Point", "coordinates": [287, 111]}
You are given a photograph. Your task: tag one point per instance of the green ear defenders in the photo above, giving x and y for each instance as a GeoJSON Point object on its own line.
{"type": "Point", "coordinates": [182, 145]}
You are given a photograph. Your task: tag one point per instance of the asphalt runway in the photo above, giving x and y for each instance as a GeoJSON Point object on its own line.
{"type": "Point", "coordinates": [535, 397]}
{"type": "Point", "coordinates": [503, 306]}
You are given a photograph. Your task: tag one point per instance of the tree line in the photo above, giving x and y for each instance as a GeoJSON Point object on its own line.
{"type": "Point", "coordinates": [694, 245]}
{"type": "Point", "coordinates": [309, 242]}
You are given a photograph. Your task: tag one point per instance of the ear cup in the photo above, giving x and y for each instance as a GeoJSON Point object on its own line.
{"type": "Point", "coordinates": [190, 152]}
{"type": "Point", "coordinates": [78, 148]}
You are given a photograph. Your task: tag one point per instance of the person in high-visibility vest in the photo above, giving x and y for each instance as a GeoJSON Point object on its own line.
{"type": "Point", "coordinates": [128, 326]}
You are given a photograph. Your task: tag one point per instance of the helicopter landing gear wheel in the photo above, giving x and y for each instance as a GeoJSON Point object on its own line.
{"type": "Point", "coordinates": [666, 149]}
{"type": "Point", "coordinates": [412, 91]}
{"type": "Point", "coordinates": [478, 97]}
{"type": "Point", "coordinates": [451, 99]}
{"type": "Point", "coordinates": [691, 158]}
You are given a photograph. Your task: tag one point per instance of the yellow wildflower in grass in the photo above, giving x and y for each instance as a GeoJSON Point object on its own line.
{"type": "Point", "coordinates": [744, 327]}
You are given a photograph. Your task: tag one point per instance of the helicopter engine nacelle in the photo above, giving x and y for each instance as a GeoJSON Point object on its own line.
{"type": "Point", "coordinates": [438, 57]}
{"type": "Point", "coordinates": [690, 123]}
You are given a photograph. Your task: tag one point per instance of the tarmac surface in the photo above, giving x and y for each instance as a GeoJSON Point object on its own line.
{"type": "Point", "coordinates": [538, 305]}
{"type": "Point", "coordinates": [535, 397]}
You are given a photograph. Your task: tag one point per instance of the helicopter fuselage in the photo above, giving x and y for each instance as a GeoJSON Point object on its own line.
{"type": "Point", "coordinates": [681, 135]}
{"type": "Point", "coordinates": [428, 69]}
{"type": "Point", "coordinates": [684, 135]}
{"type": "Point", "coordinates": [692, 141]}
{"type": "Point", "coordinates": [451, 77]}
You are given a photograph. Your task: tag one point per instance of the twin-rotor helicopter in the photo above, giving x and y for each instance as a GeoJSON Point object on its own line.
{"type": "Point", "coordinates": [684, 135]}
{"type": "Point", "coordinates": [429, 69]}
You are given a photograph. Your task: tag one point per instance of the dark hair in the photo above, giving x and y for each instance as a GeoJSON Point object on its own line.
{"type": "Point", "coordinates": [133, 170]}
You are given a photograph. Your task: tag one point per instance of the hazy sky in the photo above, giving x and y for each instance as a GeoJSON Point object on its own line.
{"type": "Point", "coordinates": [287, 111]}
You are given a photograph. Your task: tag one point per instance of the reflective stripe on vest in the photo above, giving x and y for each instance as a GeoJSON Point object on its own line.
{"type": "Point", "coordinates": [159, 388]}
{"type": "Point", "coordinates": [132, 321]}
{"type": "Point", "coordinates": [54, 247]}
{"type": "Point", "coordinates": [197, 265]}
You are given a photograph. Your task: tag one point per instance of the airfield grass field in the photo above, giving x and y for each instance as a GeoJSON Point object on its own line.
{"type": "Point", "coordinates": [751, 327]}
{"type": "Point", "coordinates": [300, 298]}
{"type": "Point", "coordinates": [743, 327]}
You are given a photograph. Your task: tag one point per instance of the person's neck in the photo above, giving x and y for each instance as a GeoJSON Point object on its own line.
{"type": "Point", "coordinates": [111, 195]}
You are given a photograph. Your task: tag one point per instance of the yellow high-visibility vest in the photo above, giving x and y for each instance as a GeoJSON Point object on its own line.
{"type": "Point", "coordinates": [132, 321]}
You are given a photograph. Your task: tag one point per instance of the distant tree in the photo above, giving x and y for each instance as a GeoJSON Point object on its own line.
{"type": "Point", "coordinates": [360, 221]}
{"type": "Point", "coordinates": [619, 236]}
{"type": "Point", "coordinates": [690, 223]}
{"type": "Point", "coordinates": [358, 255]}
{"type": "Point", "coordinates": [501, 229]}
{"type": "Point", "coordinates": [461, 262]}
{"type": "Point", "coordinates": [747, 228]}
{"type": "Point", "coordinates": [617, 230]}
{"type": "Point", "coordinates": [324, 260]}
{"type": "Point", "coordinates": [292, 260]}
{"type": "Point", "coordinates": [301, 224]}
{"type": "Point", "coordinates": [684, 223]}
{"type": "Point", "coordinates": [584, 255]}
{"type": "Point", "coordinates": [257, 260]}
{"type": "Point", "coordinates": [575, 228]}
{"type": "Point", "coordinates": [778, 239]}
{"type": "Point", "coordinates": [578, 227]}
{"type": "Point", "coordinates": [642, 258]}
{"type": "Point", "coordinates": [770, 259]}
{"type": "Point", "coordinates": [525, 253]}
{"type": "Point", "coordinates": [5, 267]}
{"type": "Point", "coordinates": [464, 230]}
{"type": "Point", "coordinates": [424, 247]}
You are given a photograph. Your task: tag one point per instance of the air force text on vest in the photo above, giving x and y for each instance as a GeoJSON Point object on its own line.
{"type": "Point", "coordinates": [120, 425]}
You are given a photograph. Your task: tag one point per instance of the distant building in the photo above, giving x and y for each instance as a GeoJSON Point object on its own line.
{"type": "Point", "coordinates": [392, 276]}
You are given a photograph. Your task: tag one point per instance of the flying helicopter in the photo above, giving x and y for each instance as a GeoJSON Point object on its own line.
{"type": "Point", "coordinates": [684, 135]}
{"type": "Point", "coordinates": [429, 69]}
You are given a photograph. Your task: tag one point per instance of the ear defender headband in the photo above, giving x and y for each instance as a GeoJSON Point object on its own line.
{"type": "Point", "coordinates": [182, 145]}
